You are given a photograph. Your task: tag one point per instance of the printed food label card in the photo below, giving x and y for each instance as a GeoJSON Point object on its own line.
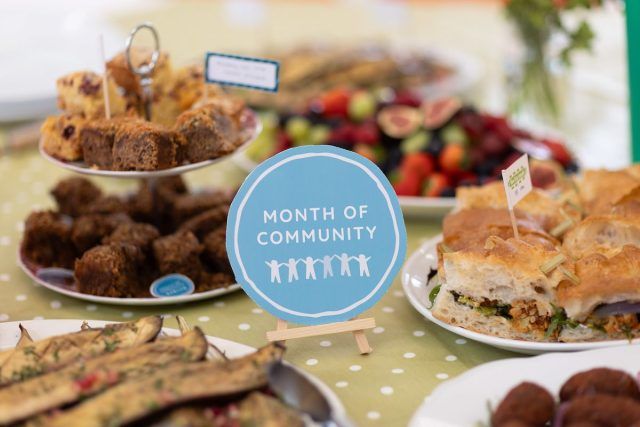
{"type": "Point", "coordinates": [315, 235]}
{"type": "Point", "coordinates": [242, 71]}
{"type": "Point", "coordinates": [517, 180]}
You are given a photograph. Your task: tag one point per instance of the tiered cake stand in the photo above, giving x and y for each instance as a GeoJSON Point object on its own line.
{"type": "Point", "coordinates": [62, 280]}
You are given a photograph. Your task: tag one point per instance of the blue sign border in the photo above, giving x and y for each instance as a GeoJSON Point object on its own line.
{"type": "Point", "coordinates": [245, 58]}
{"type": "Point", "coordinates": [235, 215]}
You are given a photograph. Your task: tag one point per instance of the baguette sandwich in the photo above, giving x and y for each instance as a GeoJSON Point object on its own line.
{"type": "Point", "coordinates": [505, 289]}
{"type": "Point", "coordinates": [605, 303]}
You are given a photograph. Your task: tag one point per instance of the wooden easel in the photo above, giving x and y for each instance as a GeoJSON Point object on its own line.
{"type": "Point", "coordinates": [357, 326]}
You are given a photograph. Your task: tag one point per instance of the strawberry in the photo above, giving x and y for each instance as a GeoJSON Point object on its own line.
{"type": "Point", "coordinates": [417, 164]}
{"type": "Point", "coordinates": [407, 185]}
{"type": "Point", "coordinates": [453, 159]}
{"type": "Point", "coordinates": [558, 150]}
{"type": "Point", "coordinates": [434, 185]}
{"type": "Point", "coordinates": [335, 103]}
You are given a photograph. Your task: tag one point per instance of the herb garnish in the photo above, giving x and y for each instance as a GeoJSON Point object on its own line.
{"type": "Point", "coordinates": [433, 294]}
{"type": "Point", "coordinates": [558, 321]}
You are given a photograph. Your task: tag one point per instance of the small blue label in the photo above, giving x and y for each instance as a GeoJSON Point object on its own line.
{"type": "Point", "coordinates": [316, 235]}
{"type": "Point", "coordinates": [242, 71]}
{"type": "Point", "coordinates": [172, 285]}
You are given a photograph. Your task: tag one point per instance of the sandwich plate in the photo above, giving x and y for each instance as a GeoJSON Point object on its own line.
{"type": "Point", "coordinates": [417, 288]}
{"type": "Point", "coordinates": [63, 284]}
{"type": "Point", "coordinates": [40, 329]}
{"type": "Point", "coordinates": [251, 129]}
{"type": "Point", "coordinates": [490, 382]}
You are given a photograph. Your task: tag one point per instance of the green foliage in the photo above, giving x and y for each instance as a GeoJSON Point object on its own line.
{"type": "Point", "coordinates": [536, 22]}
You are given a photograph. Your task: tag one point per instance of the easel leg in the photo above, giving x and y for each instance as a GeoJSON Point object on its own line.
{"type": "Point", "coordinates": [362, 342]}
{"type": "Point", "coordinates": [355, 326]}
{"type": "Point", "coordinates": [280, 326]}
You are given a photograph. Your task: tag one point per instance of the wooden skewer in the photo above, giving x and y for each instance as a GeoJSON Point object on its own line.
{"type": "Point", "coordinates": [105, 85]}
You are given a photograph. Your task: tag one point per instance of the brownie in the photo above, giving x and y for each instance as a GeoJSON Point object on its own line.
{"type": "Point", "coordinates": [179, 253]}
{"type": "Point", "coordinates": [215, 249]}
{"type": "Point", "coordinates": [137, 234]}
{"type": "Point", "coordinates": [209, 281]}
{"type": "Point", "coordinates": [167, 190]}
{"type": "Point", "coordinates": [186, 206]}
{"type": "Point", "coordinates": [81, 92]}
{"type": "Point", "coordinates": [144, 146]}
{"type": "Point", "coordinates": [208, 132]}
{"type": "Point", "coordinates": [61, 136]}
{"type": "Point", "coordinates": [206, 222]}
{"type": "Point", "coordinates": [108, 205]}
{"type": "Point", "coordinates": [89, 230]}
{"type": "Point", "coordinates": [47, 240]}
{"type": "Point", "coordinates": [74, 195]}
{"type": "Point", "coordinates": [142, 204]}
{"type": "Point", "coordinates": [96, 139]}
{"type": "Point", "coordinates": [111, 271]}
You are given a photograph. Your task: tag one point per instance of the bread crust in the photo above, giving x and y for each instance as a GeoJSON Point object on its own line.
{"type": "Point", "coordinates": [471, 227]}
{"type": "Point", "coordinates": [537, 204]}
{"type": "Point", "coordinates": [600, 189]}
{"type": "Point", "coordinates": [603, 280]}
{"type": "Point", "coordinates": [601, 234]}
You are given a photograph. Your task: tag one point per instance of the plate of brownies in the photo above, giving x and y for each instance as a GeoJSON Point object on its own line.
{"type": "Point", "coordinates": [111, 248]}
{"type": "Point", "coordinates": [191, 124]}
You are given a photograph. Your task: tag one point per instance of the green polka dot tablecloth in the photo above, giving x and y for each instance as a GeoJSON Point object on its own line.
{"type": "Point", "coordinates": [410, 358]}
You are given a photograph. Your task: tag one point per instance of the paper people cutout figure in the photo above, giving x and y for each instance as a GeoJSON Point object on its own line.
{"type": "Point", "coordinates": [363, 263]}
{"type": "Point", "coordinates": [327, 268]}
{"type": "Point", "coordinates": [274, 266]}
{"type": "Point", "coordinates": [310, 269]}
{"type": "Point", "coordinates": [345, 270]}
{"type": "Point", "coordinates": [292, 264]}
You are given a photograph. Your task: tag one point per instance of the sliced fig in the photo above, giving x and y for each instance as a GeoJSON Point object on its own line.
{"type": "Point", "coordinates": [438, 111]}
{"type": "Point", "coordinates": [399, 121]}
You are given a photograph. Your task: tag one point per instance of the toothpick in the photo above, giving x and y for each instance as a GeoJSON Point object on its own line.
{"type": "Point", "coordinates": [514, 224]}
{"type": "Point", "coordinates": [105, 86]}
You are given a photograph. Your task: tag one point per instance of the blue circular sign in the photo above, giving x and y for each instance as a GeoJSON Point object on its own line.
{"type": "Point", "coordinates": [315, 235]}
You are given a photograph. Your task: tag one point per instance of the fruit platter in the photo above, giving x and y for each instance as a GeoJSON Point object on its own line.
{"type": "Point", "coordinates": [427, 148]}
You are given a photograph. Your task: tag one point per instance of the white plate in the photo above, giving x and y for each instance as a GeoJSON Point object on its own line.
{"type": "Point", "coordinates": [253, 130]}
{"type": "Point", "coordinates": [491, 382]}
{"type": "Point", "coordinates": [414, 283]}
{"type": "Point", "coordinates": [124, 301]}
{"type": "Point", "coordinates": [40, 329]}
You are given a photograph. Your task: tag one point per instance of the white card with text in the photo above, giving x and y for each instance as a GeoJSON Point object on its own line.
{"type": "Point", "coordinates": [517, 180]}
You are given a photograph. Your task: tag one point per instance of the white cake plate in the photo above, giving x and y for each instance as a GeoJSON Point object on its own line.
{"type": "Point", "coordinates": [252, 128]}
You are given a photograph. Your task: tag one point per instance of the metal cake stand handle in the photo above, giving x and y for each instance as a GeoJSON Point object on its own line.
{"type": "Point", "coordinates": [144, 71]}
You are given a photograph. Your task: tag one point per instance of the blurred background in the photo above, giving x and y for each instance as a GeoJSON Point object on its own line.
{"type": "Point", "coordinates": [472, 48]}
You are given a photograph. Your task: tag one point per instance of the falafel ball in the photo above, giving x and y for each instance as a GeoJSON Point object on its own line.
{"type": "Point", "coordinates": [600, 381]}
{"type": "Point", "coordinates": [527, 403]}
